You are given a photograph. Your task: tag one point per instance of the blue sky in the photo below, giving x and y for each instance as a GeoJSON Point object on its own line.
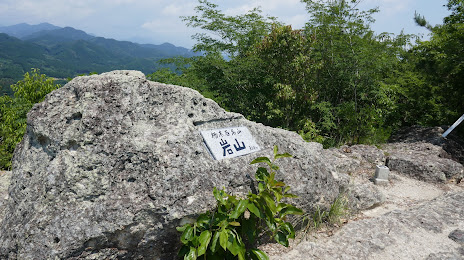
{"type": "Point", "coordinates": [157, 21]}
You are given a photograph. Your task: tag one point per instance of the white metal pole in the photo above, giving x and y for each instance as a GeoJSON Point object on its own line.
{"type": "Point", "coordinates": [453, 126]}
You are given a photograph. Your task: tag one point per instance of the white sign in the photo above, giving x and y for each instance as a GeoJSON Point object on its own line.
{"type": "Point", "coordinates": [229, 142]}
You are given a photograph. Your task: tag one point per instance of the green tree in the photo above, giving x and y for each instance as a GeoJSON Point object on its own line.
{"type": "Point", "coordinates": [226, 70]}
{"type": "Point", "coordinates": [230, 35]}
{"type": "Point", "coordinates": [333, 77]}
{"type": "Point", "coordinates": [13, 111]}
{"type": "Point", "coordinates": [353, 65]}
{"type": "Point", "coordinates": [434, 80]}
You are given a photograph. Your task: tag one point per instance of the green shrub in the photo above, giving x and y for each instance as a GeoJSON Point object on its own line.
{"type": "Point", "coordinates": [233, 229]}
{"type": "Point", "coordinates": [320, 217]}
{"type": "Point", "coordinates": [13, 111]}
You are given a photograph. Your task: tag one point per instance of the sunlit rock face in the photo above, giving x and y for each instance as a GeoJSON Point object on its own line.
{"type": "Point", "coordinates": [112, 163]}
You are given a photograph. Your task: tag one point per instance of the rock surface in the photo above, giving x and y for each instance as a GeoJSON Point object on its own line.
{"type": "Point", "coordinates": [112, 163]}
{"type": "Point", "coordinates": [458, 236]}
{"type": "Point", "coordinates": [423, 161]}
{"type": "Point", "coordinates": [355, 165]}
{"type": "Point", "coordinates": [4, 183]}
{"type": "Point", "coordinates": [453, 145]}
{"type": "Point", "coordinates": [419, 232]}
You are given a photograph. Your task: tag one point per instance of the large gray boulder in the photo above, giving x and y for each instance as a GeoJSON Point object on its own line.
{"type": "Point", "coordinates": [112, 163]}
{"type": "Point", "coordinates": [4, 183]}
{"type": "Point", "coordinates": [423, 161]}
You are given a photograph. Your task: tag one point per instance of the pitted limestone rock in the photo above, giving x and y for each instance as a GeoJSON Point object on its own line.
{"type": "Point", "coordinates": [110, 164]}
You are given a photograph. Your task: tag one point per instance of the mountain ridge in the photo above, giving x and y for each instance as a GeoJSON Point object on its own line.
{"type": "Point", "coordinates": [64, 52]}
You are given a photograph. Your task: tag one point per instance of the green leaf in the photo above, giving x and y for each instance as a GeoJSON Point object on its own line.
{"type": "Point", "coordinates": [232, 245]}
{"type": "Point", "coordinates": [235, 245]}
{"type": "Point", "coordinates": [187, 235]}
{"type": "Point", "coordinates": [184, 250]}
{"type": "Point", "coordinates": [216, 194]}
{"type": "Point", "coordinates": [269, 201]}
{"type": "Point", "coordinates": [241, 255]}
{"type": "Point", "coordinates": [260, 255]}
{"type": "Point", "coordinates": [274, 167]}
{"type": "Point", "coordinates": [214, 244]}
{"type": "Point", "coordinates": [289, 195]}
{"type": "Point", "coordinates": [288, 229]}
{"type": "Point", "coordinates": [281, 238]}
{"type": "Point", "coordinates": [276, 150]}
{"type": "Point", "coordinates": [204, 239]}
{"type": "Point", "coordinates": [223, 238]}
{"type": "Point", "coordinates": [204, 218]}
{"type": "Point", "coordinates": [286, 189]}
{"type": "Point", "coordinates": [290, 209]}
{"type": "Point", "coordinates": [261, 174]}
{"type": "Point", "coordinates": [269, 219]}
{"type": "Point", "coordinates": [234, 223]}
{"type": "Point", "coordinates": [253, 209]}
{"type": "Point", "coordinates": [181, 229]}
{"type": "Point", "coordinates": [277, 156]}
{"type": "Point", "coordinates": [239, 209]}
{"type": "Point", "coordinates": [278, 195]}
{"type": "Point", "coordinates": [250, 227]}
{"type": "Point", "coordinates": [191, 255]}
{"type": "Point", "coordinates": [261, 160]}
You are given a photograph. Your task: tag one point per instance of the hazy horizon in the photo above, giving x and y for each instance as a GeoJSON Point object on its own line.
{"type": "Point", "coordinates": [158, 21]}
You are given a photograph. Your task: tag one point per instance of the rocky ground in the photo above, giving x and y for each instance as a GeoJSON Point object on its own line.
{"type": "Point", "coordinates": [416, 221]}
{"type": "Point", "coordinates": [419, 214]}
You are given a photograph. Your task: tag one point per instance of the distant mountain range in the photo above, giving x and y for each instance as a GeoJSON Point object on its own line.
{"type": "Point", "coordinates": [66, 52]}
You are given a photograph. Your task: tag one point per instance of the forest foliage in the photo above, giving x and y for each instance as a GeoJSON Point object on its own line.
{"type": "Point", "coordinates": [335, 81]}
{"type": "Point", "coordinates": [13, 111]}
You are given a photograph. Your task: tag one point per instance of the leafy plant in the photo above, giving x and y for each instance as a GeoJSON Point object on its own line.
{"type": "Point", "coordinates": [32, 89]}
{"type": "Point", "coordinates": [233, 229]}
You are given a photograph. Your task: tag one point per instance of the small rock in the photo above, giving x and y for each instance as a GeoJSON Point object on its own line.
{"type": "Point", "coordinates": [365, 196]}
{"type": "Point", "coordinates": [458, 236]}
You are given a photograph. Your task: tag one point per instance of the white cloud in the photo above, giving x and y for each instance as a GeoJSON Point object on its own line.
{"type": "Point", "coordinates": [176, 10]}
{"type": "Point", "coordinates": [389, 7]}
{"type": "Point", "coordinates": [48, 10]}
{"type": "Point", "coordinates": [159, 19]}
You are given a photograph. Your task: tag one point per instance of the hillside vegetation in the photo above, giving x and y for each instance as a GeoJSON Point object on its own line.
{"type": "Point", "coordinates": [335, 81]}
{"type": "Point", "coordinates": [67, 52]}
